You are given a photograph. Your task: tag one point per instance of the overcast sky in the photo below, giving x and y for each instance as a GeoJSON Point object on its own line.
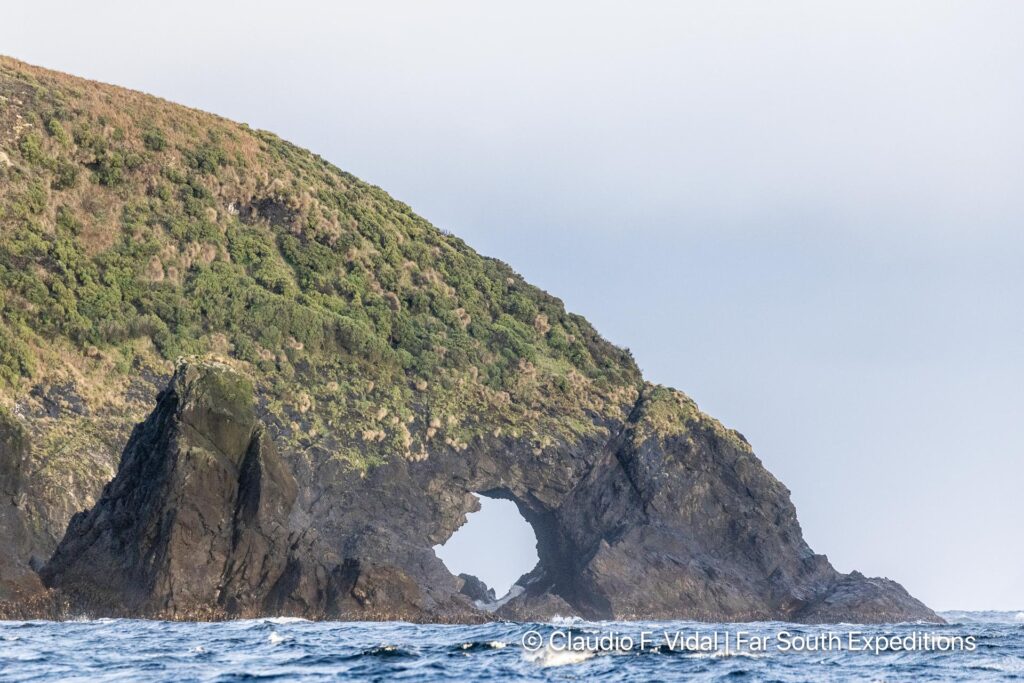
{"type": "Point", "coordinates": [808, 216]}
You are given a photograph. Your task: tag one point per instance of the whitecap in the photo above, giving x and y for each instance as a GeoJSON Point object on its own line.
{"type": "Point", "coordinates": [742, 653]}
{"type": "Point", "coordinates": [718, 654]}
{"type": "Point", "coordinates": [276, 638]}
{"type": "Point", "coordinates": [285, 620]}
{"type": "Point", "coordinates": [550, 657]}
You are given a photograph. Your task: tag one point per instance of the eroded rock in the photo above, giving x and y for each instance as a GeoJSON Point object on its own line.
{"type": "Point", "coordinates": [197, 518]}
{"type": "Point", "coordinates": [476, 590]}
{"type": "Point", "coordinates": [669, 517]}
{"type": "Point", "coordinates": [18, 581]}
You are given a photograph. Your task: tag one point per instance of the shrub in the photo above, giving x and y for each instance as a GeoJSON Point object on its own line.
{"type": "Point", "coordinates": [109, 168]}
{"type": "Point", "coordinates": [154, 140]}
{"type": "Point", "coordinates": [15, 358]}
{"type": "Point", "coordinates": [54, 128]}
{"type": "Point", "coordinates": [31, 148]}
{"type": "Point", "coordinates": [65, 175]}
{"type": "Point", "coordinates": [206, 158]}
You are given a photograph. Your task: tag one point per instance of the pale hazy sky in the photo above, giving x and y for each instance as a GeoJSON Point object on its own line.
{"type": "Point", "coordinates": [809, 216]}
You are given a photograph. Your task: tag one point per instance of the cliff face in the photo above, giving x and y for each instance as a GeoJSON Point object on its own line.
{"type": "Point", "coordinates": [17, 577]}
{"type": "Point", "coordinates": [205, 519]}
{"type": "Point", "coordinates": [196, 519]}
{"type": "Point", "coordinates": [355, 376]}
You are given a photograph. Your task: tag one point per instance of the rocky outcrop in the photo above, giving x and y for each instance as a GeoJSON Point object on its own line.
{"type": "Point", "coordinates": [671, 516]}
{"type": "Point", "coordinates": [201, 522]}
{"type": "Point", "coordinates": [17, 579]}
{"type": "Point", "coordinates": [691, 526]}
{"type": "Point", "coordinates": [197, 518]}
{"type": "Point", "coordinates": [476, 590]}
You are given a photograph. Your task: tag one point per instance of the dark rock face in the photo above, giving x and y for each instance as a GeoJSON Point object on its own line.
{"type": "Point", "coordinates": [16, 576]}
{"type": "Point", "coordinates": [475, 589]}
{"type": "Point", "coordinates": [205, 518]}
{"type": "Point", "coordinates": [196, 519]}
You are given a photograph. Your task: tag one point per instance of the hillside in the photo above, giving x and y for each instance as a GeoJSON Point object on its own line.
{"type": "Point", "coordinates": [135, 231]}
{"type": "Point", "coordinates": [382, 371]}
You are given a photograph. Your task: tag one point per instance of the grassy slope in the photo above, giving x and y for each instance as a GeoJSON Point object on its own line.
{"type": "Point", "coordinates": [134, 231]}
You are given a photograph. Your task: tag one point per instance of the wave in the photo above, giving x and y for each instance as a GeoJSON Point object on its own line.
{"type": "Point", "coordinates": [474, 646]}
{"type": "Point", "coordinates": [549, 657]}
{"type": "Point", "coordinates": [388, 651]}
{"type": "Point", "coordinates": [151, 651]}
{"type": "Point", "coordinates": [285, 620]}
{"type": "Point", "coordinates": [983, 616]}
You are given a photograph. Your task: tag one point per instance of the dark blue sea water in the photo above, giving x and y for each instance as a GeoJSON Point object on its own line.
{"type": "Point", "coordinates": [287, 649]}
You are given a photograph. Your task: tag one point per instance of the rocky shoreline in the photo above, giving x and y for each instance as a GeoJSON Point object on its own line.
{"type": "Point", "coordinates": [205, 520]}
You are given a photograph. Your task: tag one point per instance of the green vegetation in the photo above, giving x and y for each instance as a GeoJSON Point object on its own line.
{"type": "Point", "coordinates": [228, 391]}
{"type": "Point", "coordinates": [667, 413]}
{"type": "Point", "coordinates": [133, 231]}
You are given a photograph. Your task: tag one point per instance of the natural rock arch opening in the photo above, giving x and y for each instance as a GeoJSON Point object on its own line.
{"type": "Point", "coordinates": [496, 545]}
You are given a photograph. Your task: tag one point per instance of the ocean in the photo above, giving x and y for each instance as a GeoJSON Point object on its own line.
{"type": "Point", "coordinates": [973, 646]}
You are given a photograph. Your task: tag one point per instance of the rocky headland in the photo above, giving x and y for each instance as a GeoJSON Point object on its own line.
{"type": "Point", "coordinates": [236, 381]}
